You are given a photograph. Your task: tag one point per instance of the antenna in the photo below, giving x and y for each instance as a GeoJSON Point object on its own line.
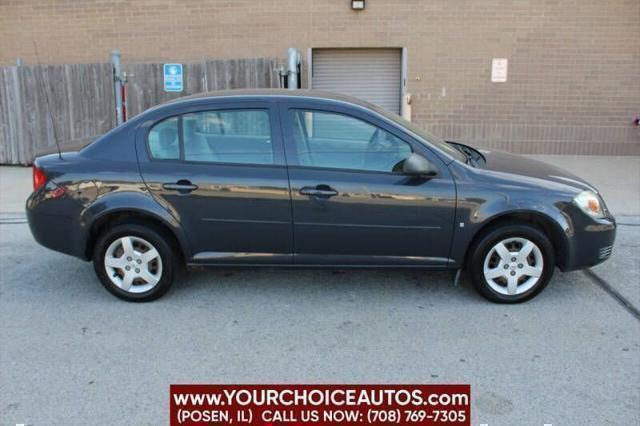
{"type": "Point", "coordinates": [46, 98]}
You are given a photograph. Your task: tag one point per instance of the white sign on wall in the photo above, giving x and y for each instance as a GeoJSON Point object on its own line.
{"type": "Point", "coordinates": [499, 70]}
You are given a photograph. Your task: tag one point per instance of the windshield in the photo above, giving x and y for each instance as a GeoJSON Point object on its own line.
{"type": "Point", "coordinates": [435, 140]}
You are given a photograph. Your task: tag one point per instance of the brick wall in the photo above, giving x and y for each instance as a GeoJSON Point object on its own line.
{"type": "Point", "coordinates": [574, 65]}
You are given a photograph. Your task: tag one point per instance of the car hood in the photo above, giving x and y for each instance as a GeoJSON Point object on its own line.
{"type": "Point", "coordinates": [504, 162]}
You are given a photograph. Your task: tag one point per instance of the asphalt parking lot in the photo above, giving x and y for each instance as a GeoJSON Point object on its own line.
{"type": "Point", "coordinates": [71, 353]}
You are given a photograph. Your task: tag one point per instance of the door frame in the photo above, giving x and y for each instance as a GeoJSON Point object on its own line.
{"type": "Point", "coordinates": [222, 104]}
{"type": "Point", "coordinates": [350, 110]}
{"type": "Point", "coordinates": [217, 258]}
{"type": "Point", "coordinates": [370, 117]}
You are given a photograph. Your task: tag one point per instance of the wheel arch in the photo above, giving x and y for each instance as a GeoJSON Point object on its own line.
{"type": "Point", "coordinates": [136, 209]}
{"type": "Point", "coordinates": [554, 230]}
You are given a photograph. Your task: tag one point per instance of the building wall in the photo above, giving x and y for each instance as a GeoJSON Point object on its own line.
{"type": "Point", "coordinates": [574, 65]}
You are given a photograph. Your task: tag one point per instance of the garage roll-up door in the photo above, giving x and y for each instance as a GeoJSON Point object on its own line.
{"type": "Point", "coordinates": [373, 75]}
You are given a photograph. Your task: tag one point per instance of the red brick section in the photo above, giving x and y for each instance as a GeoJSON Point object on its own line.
{"type": "Point", "coordinates": [574, 66]}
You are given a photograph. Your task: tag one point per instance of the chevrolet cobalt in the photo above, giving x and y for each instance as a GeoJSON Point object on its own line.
{"type": "Point", "coordinates": [309, 179]}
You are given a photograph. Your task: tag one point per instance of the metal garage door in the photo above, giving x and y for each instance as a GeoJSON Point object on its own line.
{"type": "Point", "coordinates": [370, 74]}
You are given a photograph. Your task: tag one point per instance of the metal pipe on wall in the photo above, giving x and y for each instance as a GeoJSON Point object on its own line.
{"type": "Point", "coordinates": [293, 74]}
{"type": "Point", "coordinates": [117, 86]}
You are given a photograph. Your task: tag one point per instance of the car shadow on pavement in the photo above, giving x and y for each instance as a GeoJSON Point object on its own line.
{"type": "Point", "coordinates": [371, 285]}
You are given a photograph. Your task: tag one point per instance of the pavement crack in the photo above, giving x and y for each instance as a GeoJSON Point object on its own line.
{"type": "Point", "coordinates": [603, 284]}
{"type": "Point", "coordinates": [12, 221]}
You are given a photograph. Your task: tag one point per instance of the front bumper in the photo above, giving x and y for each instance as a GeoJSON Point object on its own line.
{"type": "Point", "coordinates": [591, 241]}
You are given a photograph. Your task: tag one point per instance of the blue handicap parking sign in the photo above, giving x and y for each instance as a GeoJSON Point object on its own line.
{"type": "Point", "coordinates": [173, 78]}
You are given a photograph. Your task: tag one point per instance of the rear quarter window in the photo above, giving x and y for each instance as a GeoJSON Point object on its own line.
{"type": "Point", "coordinates": [163, 140]}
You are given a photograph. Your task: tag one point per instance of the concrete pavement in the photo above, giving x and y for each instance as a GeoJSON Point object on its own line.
{"type": "Point", "coordinates": [16, 184]}
{"type": "Point", "coordinates": [70, 353]}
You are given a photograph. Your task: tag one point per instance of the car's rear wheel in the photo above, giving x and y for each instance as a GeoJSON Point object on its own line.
{"type": "Point", "coordinates": [134, 262]}
{"type": "Point", "coordinates": [512, 263]}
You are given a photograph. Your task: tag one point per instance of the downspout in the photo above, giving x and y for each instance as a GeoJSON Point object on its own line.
{"type": "Point", "coordinates": [117, 86]}
{"type": "Point", "coordinates": [294, 63]}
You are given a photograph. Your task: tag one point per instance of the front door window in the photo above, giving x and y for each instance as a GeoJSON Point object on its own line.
{"type": "Point", "coordinates": [338, 141]}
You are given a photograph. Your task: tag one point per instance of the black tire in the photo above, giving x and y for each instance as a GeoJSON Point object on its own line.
{"type": "Point", "coordinates": [486, 242]}
{"type": "Point", "coordinates": [155, 237]}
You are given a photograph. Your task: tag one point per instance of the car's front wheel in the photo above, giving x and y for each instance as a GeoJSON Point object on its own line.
{"type": "Point", "coordinates": [512, 263]}
{"type": "Point", "coordinates": [134, 262]}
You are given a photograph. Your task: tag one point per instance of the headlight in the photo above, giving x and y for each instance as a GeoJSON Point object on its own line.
{"type": "Point", "coordinates": [590, 203]}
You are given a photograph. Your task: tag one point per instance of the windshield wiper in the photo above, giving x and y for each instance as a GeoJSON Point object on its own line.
{"type": "Point", "coordinates": [472, 157]}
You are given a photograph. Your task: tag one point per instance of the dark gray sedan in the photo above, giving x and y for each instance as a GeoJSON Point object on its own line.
{"type": "Point", "coordinates": [309, 179]}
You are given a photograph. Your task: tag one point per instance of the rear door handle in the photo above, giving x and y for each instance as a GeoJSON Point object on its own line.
{"type": "Point", "coordinates": [182, 186]}
{"type": "Point", "coordinates": [319, 191]}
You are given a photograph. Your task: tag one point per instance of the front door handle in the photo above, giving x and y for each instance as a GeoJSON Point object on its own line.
{"type": "Point", "coordinates": [183, 186]}
{"type": "Point", "coordinates": [318, 191]}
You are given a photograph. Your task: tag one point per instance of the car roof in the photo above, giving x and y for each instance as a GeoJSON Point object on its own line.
{"type": "Point", "coordinates": [270, 93]}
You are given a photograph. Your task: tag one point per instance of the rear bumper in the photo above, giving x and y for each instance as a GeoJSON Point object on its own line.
{"type": "Point", "coordinates": [591, 243]}
{"type": "Point", "coordinates": [54, 222]}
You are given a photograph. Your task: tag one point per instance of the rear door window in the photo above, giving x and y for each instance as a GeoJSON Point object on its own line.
{"type": "Point", "coordinates": [230, 136]}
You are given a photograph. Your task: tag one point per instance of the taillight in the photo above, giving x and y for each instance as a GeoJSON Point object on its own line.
{"type": "Point", "coordinates": [39, 178]}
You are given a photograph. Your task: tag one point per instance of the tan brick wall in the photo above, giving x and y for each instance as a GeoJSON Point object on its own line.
{"type": "Point", "coordinates": [574, 65]}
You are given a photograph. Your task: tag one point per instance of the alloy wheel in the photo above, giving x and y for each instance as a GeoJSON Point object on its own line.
{"type": "Point", "coordinates": [133, 264]}
{"type": "Point", "coordinates": [513, 266]}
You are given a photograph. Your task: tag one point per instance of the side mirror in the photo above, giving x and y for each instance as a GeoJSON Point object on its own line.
{"type": "Point", "coordinates": [417, 165]}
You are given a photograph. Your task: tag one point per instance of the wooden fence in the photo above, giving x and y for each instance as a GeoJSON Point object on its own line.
{"type": "Point", "coordinates": [81, 98]}
{"type": "Point", "coordinates": [145, 87]}
{"type": "Point", "coordinates": [80, 101]}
